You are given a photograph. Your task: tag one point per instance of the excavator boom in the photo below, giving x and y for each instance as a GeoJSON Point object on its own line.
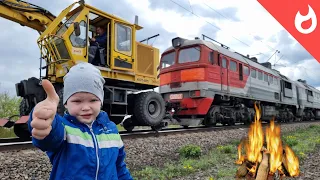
{"type": "Point", "coordinates": [26, 14]}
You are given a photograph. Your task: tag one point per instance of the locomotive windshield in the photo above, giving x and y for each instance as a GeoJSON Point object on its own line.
{"type": "Point", "coordinates": [168, 59]}
{"type": "Point", "coordinates": [191, 54]}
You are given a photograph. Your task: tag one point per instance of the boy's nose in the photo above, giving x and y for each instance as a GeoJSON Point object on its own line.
{"type": "Point", "coordinates": [85, 107]}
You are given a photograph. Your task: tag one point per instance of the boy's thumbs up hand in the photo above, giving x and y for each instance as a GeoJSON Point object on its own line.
{"type": "Point", "coordinates": [44, 112]}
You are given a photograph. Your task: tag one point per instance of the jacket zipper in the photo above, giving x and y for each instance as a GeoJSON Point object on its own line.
{"type": "Point", "coordinates": [97, 154]}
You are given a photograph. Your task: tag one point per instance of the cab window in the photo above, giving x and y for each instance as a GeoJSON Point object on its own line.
{"type": "Point", "coordinates": [189, 54]}
{"type": "Point", "coordinates": [79, 41]}
{"type": "Point", "coordinates": [167, 60]}
{"type": "Point", "coordinates": [123, 38]}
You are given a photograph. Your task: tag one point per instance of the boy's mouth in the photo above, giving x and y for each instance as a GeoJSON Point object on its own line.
{"type": "Point", "coordinates": [86, 116]}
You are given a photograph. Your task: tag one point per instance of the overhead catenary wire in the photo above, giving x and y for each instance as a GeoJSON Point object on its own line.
{"type": "Point", "coordinates": [215, 26]}
{"type": "Point", "coordinates": [251, 34]}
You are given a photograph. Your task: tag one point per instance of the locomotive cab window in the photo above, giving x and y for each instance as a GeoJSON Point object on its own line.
{"type": "Point", "coordinates": [189, 55]}
{"type": "Point", "coordinates": [167, 60]}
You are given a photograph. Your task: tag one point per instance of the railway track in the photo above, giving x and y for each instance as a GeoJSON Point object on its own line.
{"type": "Point", "coordinates": [7, 144]}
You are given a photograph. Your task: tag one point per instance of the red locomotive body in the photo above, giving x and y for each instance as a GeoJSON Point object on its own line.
{"type": "Point", "coordinates": [204, 83]}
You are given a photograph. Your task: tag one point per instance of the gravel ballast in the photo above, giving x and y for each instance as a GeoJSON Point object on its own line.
{"type": "Point", "coordinates": [142, 152]}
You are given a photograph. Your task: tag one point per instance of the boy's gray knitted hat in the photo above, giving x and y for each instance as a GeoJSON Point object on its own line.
{"type": "Point", "coordinates": [83, 77]}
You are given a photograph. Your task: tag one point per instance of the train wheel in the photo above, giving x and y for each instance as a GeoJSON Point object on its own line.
{"type": "Point", "coordinates": [211, 118]}
{"type": "Point", "coordinates": [231, 122]}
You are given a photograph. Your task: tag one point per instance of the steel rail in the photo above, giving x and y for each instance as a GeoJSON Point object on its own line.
{"type": "Point", "coordinates": [8, 144]}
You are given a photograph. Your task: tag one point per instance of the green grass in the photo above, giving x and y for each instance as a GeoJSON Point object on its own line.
{"type": "Point", "coordinates": [6, 133]}
{"type": "Point", "coordinates": [219, 163]}
{"type": "Point", "coordinates": [8, 106]}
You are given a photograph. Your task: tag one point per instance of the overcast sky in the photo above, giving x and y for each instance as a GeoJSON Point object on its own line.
{"type": "Point", "coordinates": [245, 26]}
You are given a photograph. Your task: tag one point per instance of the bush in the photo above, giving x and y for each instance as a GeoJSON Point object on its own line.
{"type": "Point", "coordinates": [290, 141]}
{"type": "Point", "coordinates": [190, 151]}
{"type": "Point", "coordinates": [9, 105]}
{"type": "Point", "coordinates": [225, 149]}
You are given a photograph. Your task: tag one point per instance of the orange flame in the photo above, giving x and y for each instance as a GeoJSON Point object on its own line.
{"type": "Point", "coordinates": [274, 146]}
{"type": "Point", "coordinates": [292, 161]}
{"type": "Point", "coordinates": [254, 145]}
{"type": "Point", "coordinates": [255, 134]}
{"type": "Point", "coordinates": [240, 156]}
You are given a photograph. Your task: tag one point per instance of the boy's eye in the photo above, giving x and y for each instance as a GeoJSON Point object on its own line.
{"type": "Point", "coordinates": [94, 100]}
{"type": "Point", "coordinates": [76, 101]}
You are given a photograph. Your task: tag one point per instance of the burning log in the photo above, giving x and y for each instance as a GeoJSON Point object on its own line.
{"type": "Point", "coordinates": [260, 163]}
{"type": "Point", "coordinates": [263, 169]}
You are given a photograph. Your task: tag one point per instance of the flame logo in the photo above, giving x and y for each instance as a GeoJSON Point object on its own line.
{"type": "Point", "coordinates": [300, 19]}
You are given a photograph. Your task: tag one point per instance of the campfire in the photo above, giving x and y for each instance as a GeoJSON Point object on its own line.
{"type": "Point", "coordinates": [265, 158]}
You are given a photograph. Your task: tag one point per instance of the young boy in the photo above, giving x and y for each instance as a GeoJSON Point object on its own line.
{"type": "Point", "coordinates": [84, 143]}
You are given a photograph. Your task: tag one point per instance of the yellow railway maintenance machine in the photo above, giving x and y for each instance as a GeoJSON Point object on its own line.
{"type": "Point", "coordinates": [128, 66]}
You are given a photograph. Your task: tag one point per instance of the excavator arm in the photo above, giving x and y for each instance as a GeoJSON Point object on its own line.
{"type": "Point", "coordinates": [26, 14]}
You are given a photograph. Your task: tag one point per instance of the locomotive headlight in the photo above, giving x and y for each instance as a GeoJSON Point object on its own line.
{"type": "Point", "coordinates": [177, 42]}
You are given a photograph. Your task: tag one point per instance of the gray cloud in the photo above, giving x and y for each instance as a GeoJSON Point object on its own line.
{"type": "Point", "coordinates": [296, 59]}
{"type": "Point", "coordinates": [180, 6]}
{"type": "Point", "coordinates": [228, 13]}
{"type": "Point", "coordinates": [292, 50]}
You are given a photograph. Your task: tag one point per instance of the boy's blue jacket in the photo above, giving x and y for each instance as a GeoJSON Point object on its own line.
{"type": "Point", "coordinates": [72, 149]}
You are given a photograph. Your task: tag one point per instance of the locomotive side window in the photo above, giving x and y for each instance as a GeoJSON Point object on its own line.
{"type": "Point", "coordinates": [265, 77]}
{"type": "Point", "coordinates": [275, 81]}
{"type": "Point", "coordinates": [189, 55]}
{"type": "Point", "coordinates": [253, 73]}
{"type": "Point", "coordinates": [211, 59]}
{"type": "Point", "coordinates": [233, 65]}
{"type": "Point", "coordinates": [260, 77]}
{"type": "Point", "coordinates": [287, 85]}
{"type": "Point", "coordinates": [224, 63]}
{"type": "Point", "coordinates": [270, 79]}
{"type": "Point", "coordinates": [246, 70]}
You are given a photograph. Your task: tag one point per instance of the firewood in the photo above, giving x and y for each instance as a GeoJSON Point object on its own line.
{"type": "Point", "coordinates": [285, 165]}
{"type": "Point", "coordinates": [263, 169]}
{"type": "Point", "coordinates": [242, 170]}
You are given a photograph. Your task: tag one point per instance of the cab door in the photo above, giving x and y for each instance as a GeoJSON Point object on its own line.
{"type": "Point", "coordinates": [224, 74]}
{"type": "Point", "coordinates": [123, 47]}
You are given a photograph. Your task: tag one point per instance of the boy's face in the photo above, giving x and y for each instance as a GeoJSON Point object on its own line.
{"type": "Point", "coordinates": [84, 106]}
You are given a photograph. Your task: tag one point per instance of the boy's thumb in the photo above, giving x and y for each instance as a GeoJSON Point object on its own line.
{"type": "Point", "coordinates": [50, 91]}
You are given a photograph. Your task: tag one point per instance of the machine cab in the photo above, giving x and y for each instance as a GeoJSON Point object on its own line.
{"type": "Point", "coordinates": [73, 37]}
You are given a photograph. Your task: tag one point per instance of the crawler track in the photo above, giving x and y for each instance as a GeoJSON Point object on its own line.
{"type": "Point", "coordinates": [17, 143]}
